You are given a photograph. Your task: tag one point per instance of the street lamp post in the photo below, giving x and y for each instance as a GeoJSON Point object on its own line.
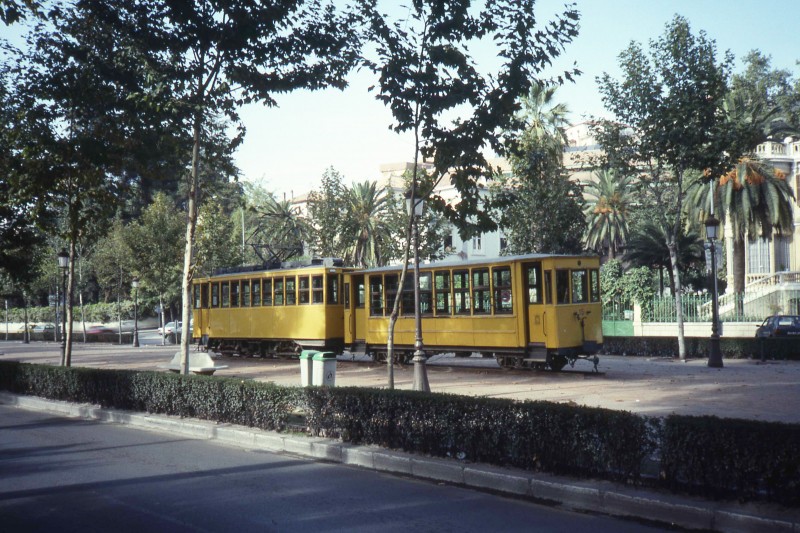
{"type": "Point", "coordinates": [135, 285]}
{"type": "Point", "coordinates": [714, 352]}
{"type": "Point", "coordinates": [63, 264]}
{"type": "Point", "coordinates": [415, 206]}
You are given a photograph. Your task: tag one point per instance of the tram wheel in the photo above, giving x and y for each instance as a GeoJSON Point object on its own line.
{"type": "Point", "coordinates": [556, 362]}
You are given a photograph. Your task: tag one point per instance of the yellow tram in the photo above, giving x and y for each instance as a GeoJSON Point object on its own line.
{"type": "Point", "coordinates": [527, 311]}
{"type": "Point", "coordinates": [271, 312]}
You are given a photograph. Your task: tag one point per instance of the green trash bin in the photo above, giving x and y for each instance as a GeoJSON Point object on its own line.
{"type": "Point", "coordinates": [306, 360]}
{"type": "Point", "coordinates": [324, 369]}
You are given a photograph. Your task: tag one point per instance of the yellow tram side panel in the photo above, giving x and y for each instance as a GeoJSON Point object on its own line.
{"type": "Point", "coordinates": [469, 330]}
{"type": "Point", "coordinates": [298, 321]}
{"type": "Point", "coordinates": [562, 321]}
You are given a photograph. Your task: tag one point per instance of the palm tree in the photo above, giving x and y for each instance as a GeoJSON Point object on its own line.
{"type": "Point", "coordinates": [545, 122]}
{"type": "Point", "coordinates": [647, 246]}
{"type": "Point", "coordinates": [608, 201]}
{"type": "Point", "coordinates": [365, 228]}
{"type": "Point", "coordinates": [280, 233]}
{"type": "Point", "coordinates": [754, 199]}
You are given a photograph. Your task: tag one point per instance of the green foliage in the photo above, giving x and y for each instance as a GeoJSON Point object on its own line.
{"type": "Point", "coordinates": [540, 208]}
{"type": "Point", "coordinates": [732, 458]}
{"type": "Point", "coordinates": [622, 288]}
{"type": "Point", "coordinates": [697, 347]}
{"type": "Point", "coordinates": [218, 244]}
{"type": "Point", "coordinates": [327, 211]}
{"type": "Point", "coordinates": [433, 87]}
{"type": "Point", "coordinates": [608, 201]}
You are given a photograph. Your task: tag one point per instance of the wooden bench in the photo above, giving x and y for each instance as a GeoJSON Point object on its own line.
{"type": "Point", "coordinates": [199, 363]}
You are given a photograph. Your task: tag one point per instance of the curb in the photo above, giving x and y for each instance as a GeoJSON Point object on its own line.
{"type": "Point", "coordinates": [587, 496]}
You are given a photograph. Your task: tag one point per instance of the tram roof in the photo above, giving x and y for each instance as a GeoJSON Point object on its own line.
{"type": "Point", "coordinates": [450, 263]}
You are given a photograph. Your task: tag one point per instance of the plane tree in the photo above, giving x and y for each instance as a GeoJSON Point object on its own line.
{"type": "Point", "coordinates": [210, 57]}
{"type": "Point", "coordinates": [666, 123]}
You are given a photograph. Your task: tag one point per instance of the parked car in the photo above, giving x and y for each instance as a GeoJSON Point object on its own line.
{"type": "Point", "coordinates": [172, 327]}
{"type": "Point", "coordinates": [21, 328]}
{"type": "Point", "coordinates": [98, 330]}
{"type": "Point", "coordinates": [779, 326]}
{"type": "Point", "coordinates": [44, 328]}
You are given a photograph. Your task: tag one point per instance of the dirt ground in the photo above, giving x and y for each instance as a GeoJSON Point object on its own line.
{"type": "Point", "coordinates": [653, 386]}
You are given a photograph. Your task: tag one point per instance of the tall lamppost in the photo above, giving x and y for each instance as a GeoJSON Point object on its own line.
{"type": "Point", "coordinates": [135, 285]}
{"type": "Point", "coordinates": [63, 264]}
{"type": "Point", "coordinates": [415, 207]}
{"type": "Point", "coordinates": [714, 352]}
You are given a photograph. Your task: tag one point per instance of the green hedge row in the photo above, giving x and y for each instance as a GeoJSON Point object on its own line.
{"type": "Point", "coordinates": [99, 312]}
{"type": "Point", "coordinates": [704, 455]}
{"type": "Point", "coordinates": [697, 347]}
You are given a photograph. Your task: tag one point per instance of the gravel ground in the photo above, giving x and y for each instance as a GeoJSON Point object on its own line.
{"type": "Point", "coordinates": [653, 386]}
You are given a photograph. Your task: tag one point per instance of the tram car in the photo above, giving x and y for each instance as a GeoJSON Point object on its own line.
{"type": "Point", "coordinates": [271, 312]}
{"type": "Point", "coordinates": [535, 311]}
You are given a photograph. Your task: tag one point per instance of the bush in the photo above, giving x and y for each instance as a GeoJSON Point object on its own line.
{"type": "Point", "coordinates": [732, 458]}
{"type": "Point", "coordinates": [697, 347]}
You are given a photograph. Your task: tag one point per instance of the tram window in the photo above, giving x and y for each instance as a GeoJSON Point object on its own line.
{"type": "Point", "coordinates": [361, 296]}
{"type": "Point", "coordinates": [580, 287]}
{"type": "Point", "coordinates": [215, 295]}
{"type": "Point", "coordinates": [333, 289]}
{"type": "Point", "coordinates": [204, 296]}
{"type": "Point", "coordinates": [534, 278]}
{"type": "Point", "coordinates": [461, 292]}
{"type": "Point", "coordinates": [407, 303]}
{"type": "Point", "coordinates": [316, 290]}
{"type": "Point", "coordinates": [196, 290]}
{"type": "Point", "coordinates": [594, 280]}
{"type": "Point", "coordinates": [305, 289]}
{"type": "Point", "coordinates": [226, 294]}
{"type": "Point", "coordinates": [562, 286]}
{"type": "Point", "coordinates": [278, 298]}
{"type": "Point", "coordinates": [548, 287]}
{"type": "Point", "coordinates": [256, 299]}
{"type": "Point", "coordinates": [501, 282]}
{"type": "Point", "coordinates": [246, 293]}
{"type": "Point", "coordinates": [234, 294]}
{"type": "Point", "coordinates": [267, 299]}
{"type": "Point", "coordinates": [390, 290]}
{"type": "Point", "coordinates": [481, 296]}
{"type": "Point", "coordinates": [375, 296]}
{"type": "Point", "coordinates": [291, 290]}
{"type": "Point", "coordinates": [425, 293]}
{"type": "Point", "coordinates": [441, 283]}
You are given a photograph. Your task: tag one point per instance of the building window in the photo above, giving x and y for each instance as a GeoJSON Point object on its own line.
{"type": "Point", "coordinates": [503, 243]}
{"type": "Point", "coordinates": [448, 243]}
{"type": "Point", "coordinates": [476, 243]}
{"type": "Point", "coordinates": [758, 257]}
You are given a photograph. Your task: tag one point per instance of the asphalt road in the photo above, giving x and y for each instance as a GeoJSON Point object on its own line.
{"type": "Point", "coordinates": [61, 474]}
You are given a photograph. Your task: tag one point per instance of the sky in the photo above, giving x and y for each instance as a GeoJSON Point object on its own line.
{"type": "Point", "coordinates": [288, 148]}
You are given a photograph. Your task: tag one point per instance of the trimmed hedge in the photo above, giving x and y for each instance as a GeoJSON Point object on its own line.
{"type": "Point", "coordinates": [697, 347]}
{"type": "Point", "coordinates": [732, 458]}
{"type": "Point", "coordinates": [708, 456]}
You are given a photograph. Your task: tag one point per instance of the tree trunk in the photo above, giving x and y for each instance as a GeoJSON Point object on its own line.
{"type": "Point", "coordinates": [191, 225]}
{"type": "Point", "coordinates": [68, 303]}
{"type": "Point", "coordinates": [739, 274]}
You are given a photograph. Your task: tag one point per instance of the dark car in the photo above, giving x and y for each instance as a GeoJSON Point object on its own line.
{"type": "Point", "coordinates": [779, 326]}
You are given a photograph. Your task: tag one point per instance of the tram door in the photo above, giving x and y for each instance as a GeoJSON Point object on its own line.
{"type": "Point", "coordinates": [535, 290]}
{"type": "Point", "coordinates": [355, 317]}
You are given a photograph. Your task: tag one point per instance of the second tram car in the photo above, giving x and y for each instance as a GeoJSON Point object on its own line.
{"type": "Point", "coordinates": [273, 312]}
{"type": "Point", "coordinates": [540, 311]}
